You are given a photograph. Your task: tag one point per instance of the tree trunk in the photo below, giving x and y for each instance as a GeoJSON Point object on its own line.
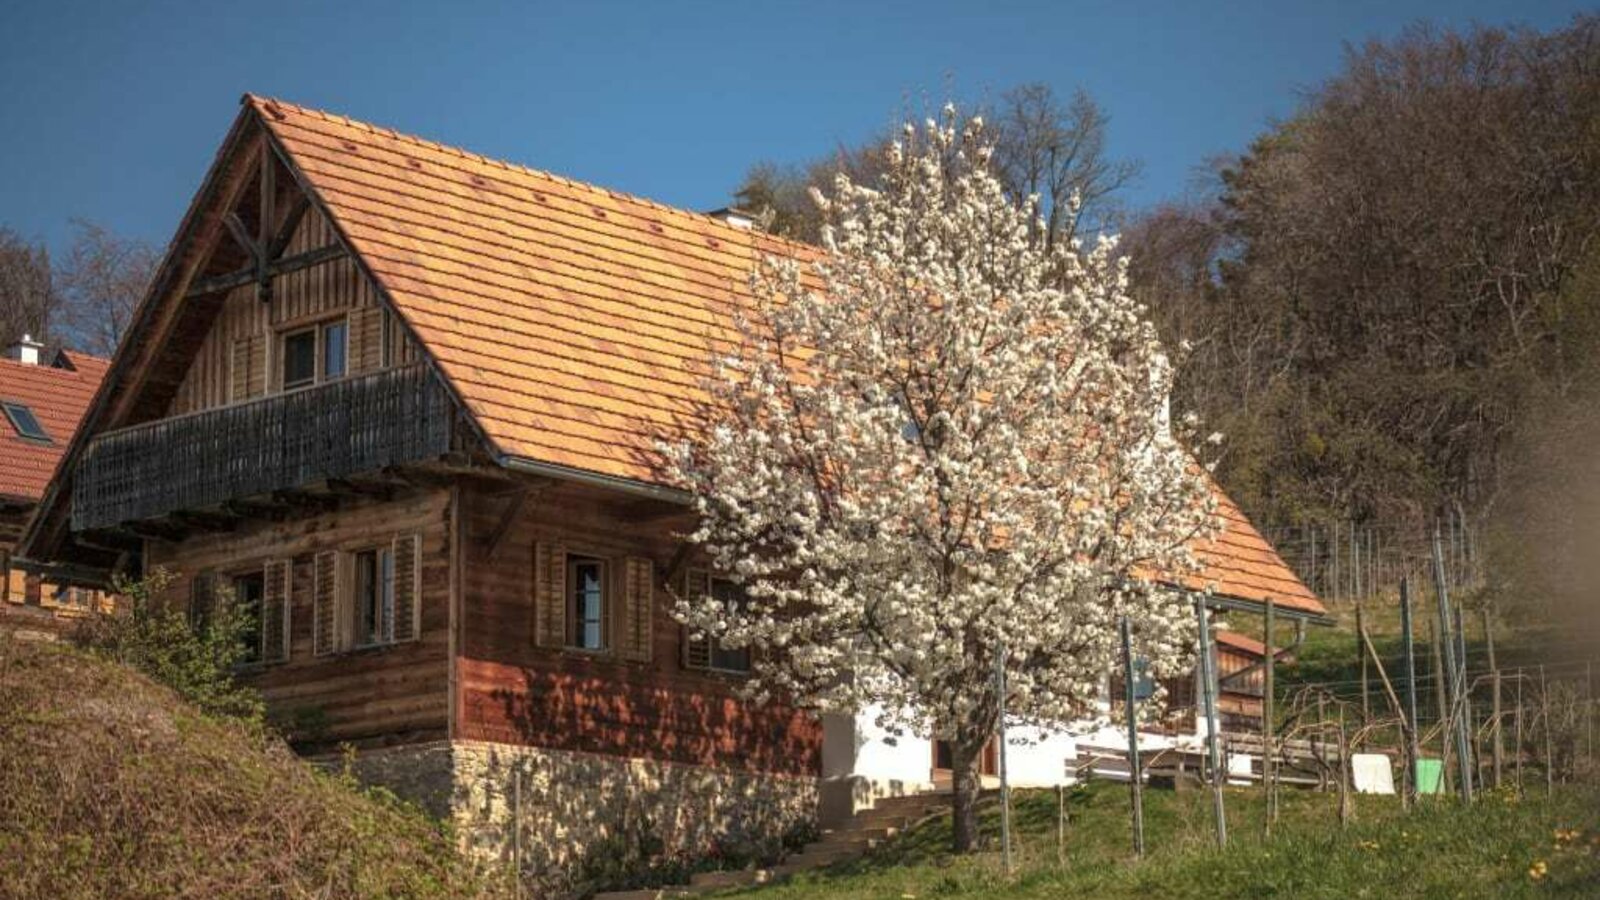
{"type": "Point", "coordinates": [964, 759]}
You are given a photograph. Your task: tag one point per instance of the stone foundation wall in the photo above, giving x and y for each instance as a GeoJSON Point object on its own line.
{"type": "Point", "coordinates": [570, 819]}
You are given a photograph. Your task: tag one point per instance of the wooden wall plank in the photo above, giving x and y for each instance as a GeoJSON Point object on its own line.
{"type": "Point", "coordinates": [514, 691]}
{"type": "Point", "coordinates": [363, 695]}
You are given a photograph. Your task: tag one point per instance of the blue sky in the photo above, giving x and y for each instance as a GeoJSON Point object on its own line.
{"type": "Point", "coordinates": [112, 111]}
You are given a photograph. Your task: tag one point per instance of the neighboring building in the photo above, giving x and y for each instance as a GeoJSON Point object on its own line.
{"type": "Point", "coordinates": [405, 401]}
{"type": "Point", "coordinates": [42, 397]}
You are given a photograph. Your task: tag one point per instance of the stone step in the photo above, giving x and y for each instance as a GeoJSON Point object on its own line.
{"type": "Point", "coordinates": [913, 799]}
{"type": "Point", "coordinates": [730, 878]}
{"type": "Point", "coordinates": [647, 894]}
{"type": "Point", "coordinates": [861, 833]}
{"type": "Point", "coordinates": [815, 857]}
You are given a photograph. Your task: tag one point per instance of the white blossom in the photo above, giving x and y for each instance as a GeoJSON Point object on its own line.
{"type": "Point", "coordinates": [941, 438]}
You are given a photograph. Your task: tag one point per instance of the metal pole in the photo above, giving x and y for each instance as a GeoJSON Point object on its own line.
{"type": "Point", "coordinates": [1061, 824]}
{"type": "Point", "coordinates": [1588, 713]}
{"type": "Point", "coordinates": [1518, 761]}
{"type": "Point", "coordinates": [1005, 776]}
{"type": "Point", "coordinates": [1208, 686]}
{"type": "Point", "coordinates": [1135, 769]}
{"type": "Point", "coordinates": [1549, 746]}
{"type": "Point", "coordinates": [1436, 663]}
{"type": "Point", "coordinates": [1412, 749]}
{"type": "Point", "coordinates": [1344, 773]}
{"type": "Point", "coordinates": [1499, 748]}
{"type": "Point", "coordinates": [1268, 762]}
{"type": "Point", "coordinates": [1469, 730]}
{"type": "Point", "coordinates": [1366, 690]}
{"type": "Point", "coordinates": [1462, 752]}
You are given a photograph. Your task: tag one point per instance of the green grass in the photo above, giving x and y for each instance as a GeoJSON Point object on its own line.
{"type": "Point", "coordinates": [1442, 850]}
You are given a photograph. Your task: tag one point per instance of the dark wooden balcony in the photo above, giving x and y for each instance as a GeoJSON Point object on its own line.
{"type": "Point", "coordinates": [203, 460]}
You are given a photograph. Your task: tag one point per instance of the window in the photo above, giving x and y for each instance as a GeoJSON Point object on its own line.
{"type": "Point", "coordinates": [74, 596]}
{"type": "Point", "coordinates": [299, 358]}
{"type": "Point", "coordinates": [316, 354]}
{"type": "Point", "coordinates": [586, 603]}
{"type": "Point", "coordinates": [335, 344]}
{"type": "Point", "coordinates": [25, 422]}
{"type": "Point", "coordinates": [1144, 685]}
{"type": "Point", "coordinates": [248, 592]}
{"type": "Point", "coordinates": [728, 659]}
{"type": "Point", "coordinates": [374, 597]}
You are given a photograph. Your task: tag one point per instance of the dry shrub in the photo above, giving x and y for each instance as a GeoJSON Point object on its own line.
{"type": "Point", "coordinates": [112, 786]}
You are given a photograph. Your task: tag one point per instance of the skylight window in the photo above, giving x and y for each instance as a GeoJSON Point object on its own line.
{"type": "Point", "coordinates": [25, 422]}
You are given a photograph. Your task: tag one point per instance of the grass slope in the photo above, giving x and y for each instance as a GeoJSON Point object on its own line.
{"type": "Point", "coordinates": [1502, 847]}
{"type": "Point", "coordinates": [110, 786]}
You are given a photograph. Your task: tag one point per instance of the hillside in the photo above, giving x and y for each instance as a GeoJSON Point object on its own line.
{"type": "Point", "coordinates": [1502, 847]}
{"type": "Point", "coordinates": [110, 786]}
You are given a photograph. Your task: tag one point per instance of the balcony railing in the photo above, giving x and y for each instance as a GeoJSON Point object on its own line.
{"type": "Point", "coordinates": [204, 459]}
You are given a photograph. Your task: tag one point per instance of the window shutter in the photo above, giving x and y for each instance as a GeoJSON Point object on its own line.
{"type": "Point", "coordinates": [248, 377]}
{"type": "Point", "coordinates": [407, 587]}
{"type": "Point", "coordinates": [202, 597]}
{"type": "Point", "coordinates": [366, 339]}
{"type": "Point", "coordinates": [325, 603]}
{"type": "Point", "coordinates": [638, 582]}
{"type": "Point", "coordinates": [275, 611]}
{"type": "Point", "coordinates": [696, 651]}
{"type": "Point", "coordinates": [550, 594]}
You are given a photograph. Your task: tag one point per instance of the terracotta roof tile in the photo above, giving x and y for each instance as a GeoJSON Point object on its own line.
{"type": "Point", "coordinates": [58, 398]}
{"type": "Point", "coordinates": [573, 321]}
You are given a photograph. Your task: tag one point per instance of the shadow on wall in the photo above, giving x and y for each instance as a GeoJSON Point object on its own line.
{"type": "Point", "coordinates": [588, 783]}
{"type": "Point", "coordinates": [692, 720]}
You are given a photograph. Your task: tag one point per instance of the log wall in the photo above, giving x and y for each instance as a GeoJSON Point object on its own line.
{"type": "Point", "coordinates": [373, 696]}
{"type": "Point", "coordinates": [511, 691]}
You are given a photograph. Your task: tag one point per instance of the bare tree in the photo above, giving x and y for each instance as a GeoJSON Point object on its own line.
{"type": "Point", "coordinates": [102, 279]}
{"type": "Point", "coordinates": [1057, 152]}
{"type": "Point", "coordinates": [1043, 147]}
{"type": "Point", "coordinates": [28, 298]}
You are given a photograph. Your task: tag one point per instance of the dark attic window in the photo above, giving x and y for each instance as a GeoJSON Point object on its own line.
{"type": "Point", "coordinates": [25, 422]}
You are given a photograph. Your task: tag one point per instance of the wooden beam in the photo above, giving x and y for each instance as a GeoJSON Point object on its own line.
{"type": "Point", "coordinates": [241, 236]}
{"type": "Point", "coordinates": [240, 277]}
{"type": "Point", "coordinates": [286, 230]}
{"type": "Point", "coordinates": [255, 508]}
{"type": "Point", "coordinates": [296, 497]}
{"type": "Point", "coordinates": [267, 206]}
{"type": "Point", "coordinates": [675, 565]}
{"type": "Point", "coordinates": [111, 540]}
{"type": "Point", "coordinates": [205, 521]}
{"type": "Point", "coordinates": [153, 528]}
{"type": "Point", "coordinates": [508, 517]}
{"type": "Point", "coordinates": [359, 487]}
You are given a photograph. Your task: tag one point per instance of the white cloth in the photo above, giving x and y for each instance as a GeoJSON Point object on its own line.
{"type": "Point", "coordinates": [1371, 773]}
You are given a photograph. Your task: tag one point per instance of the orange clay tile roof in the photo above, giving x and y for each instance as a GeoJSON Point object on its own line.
{"type": "Point", "coordinates": [58, 398]}
{"type": "Point", "coordinates": [573, 321]}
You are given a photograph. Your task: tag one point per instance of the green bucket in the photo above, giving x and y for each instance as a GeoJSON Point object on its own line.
{"type": "Point", "coordinates": [1430, 776]}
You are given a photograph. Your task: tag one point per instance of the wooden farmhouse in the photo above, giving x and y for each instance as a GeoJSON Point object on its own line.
{"type": "Point", "coordinates": [43, 396]}
{"type": "Point", "coordinates": [405, 402]}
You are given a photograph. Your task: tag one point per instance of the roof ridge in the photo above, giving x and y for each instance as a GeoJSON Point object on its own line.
{"type": "Point", "coordinates": [266, 103]}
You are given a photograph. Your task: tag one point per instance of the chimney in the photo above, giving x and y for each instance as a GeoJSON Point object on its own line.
{"type": "Point", "coordinates": [738, 218]}
{"type": "Point", "coordinates": [26, 351]}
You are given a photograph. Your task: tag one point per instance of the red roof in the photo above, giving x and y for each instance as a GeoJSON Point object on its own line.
{"type": "Point", "coordinates": [1238, 642]}
{"type": "Point", "coordinates": [58, 397]}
